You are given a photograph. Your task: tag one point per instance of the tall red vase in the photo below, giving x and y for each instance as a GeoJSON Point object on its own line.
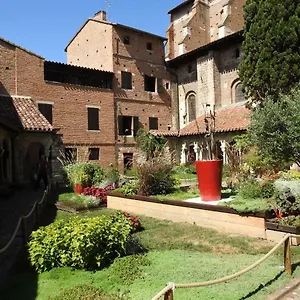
{"type": "Point", "coordinates": [209, 174]}
{"type": "Point", "coordinates": [78, 188]}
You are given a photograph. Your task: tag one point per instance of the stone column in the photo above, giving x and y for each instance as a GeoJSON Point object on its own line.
{"type": "Point", "coordinates": [223, 149]}
{"type": "Point", "coordinates": [183, 153]}
{"type": "Point", "coordinates": [197, 151]}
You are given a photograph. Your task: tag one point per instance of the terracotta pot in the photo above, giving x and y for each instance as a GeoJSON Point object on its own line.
{"type": "Point", "coordinates": [78, 188]}
{"type": "Point", "coordinates": [209, 174]}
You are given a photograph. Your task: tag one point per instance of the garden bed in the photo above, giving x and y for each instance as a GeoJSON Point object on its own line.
{"type": "Point", "coordinates": [205, 215]}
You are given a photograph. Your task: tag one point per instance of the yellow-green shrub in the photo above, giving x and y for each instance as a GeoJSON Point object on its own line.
{"type": "Point", "coordinates": [79, 243]}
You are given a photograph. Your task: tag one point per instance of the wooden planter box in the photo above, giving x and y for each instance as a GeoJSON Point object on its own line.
{"type": "Point", "coordinates": [221, 218]}
{"type": "Point", "coordinates": [275, 232]}
{"type": "Point", "coordinates": [283, 228]}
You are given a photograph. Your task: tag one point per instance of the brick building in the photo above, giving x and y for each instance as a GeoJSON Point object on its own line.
{"type": "Point", "coordinates": [195, 23]}
{"type": "Point", "coordinates": [77, 102]}
{"type": "Point", "coordinates": [203, 52]}
{"type": "Point", "coordinates": [141, 83]}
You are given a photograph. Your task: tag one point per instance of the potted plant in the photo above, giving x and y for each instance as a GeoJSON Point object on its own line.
{"type": "Point", "coordinates": [80, 181]}
{"type": "Point", "coordinates": [209, 171]}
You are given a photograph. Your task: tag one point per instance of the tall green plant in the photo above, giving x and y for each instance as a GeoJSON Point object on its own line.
{"type": "Point", "coordinates": [271, 48]}
{"type": "Point", "coordinates": [275, 129]}
{"type": "Point", "coordinates": [150, 143]}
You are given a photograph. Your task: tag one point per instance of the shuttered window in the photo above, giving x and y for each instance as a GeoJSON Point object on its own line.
{"type": "Point", "coordinates": [93, 118]}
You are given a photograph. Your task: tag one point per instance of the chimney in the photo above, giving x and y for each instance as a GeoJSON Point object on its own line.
{"type": "Point", "coordinates": [100, 15]}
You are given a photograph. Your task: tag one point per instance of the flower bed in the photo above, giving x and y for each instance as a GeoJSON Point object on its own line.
{"type": "Point", "coordinates": [217, 217]}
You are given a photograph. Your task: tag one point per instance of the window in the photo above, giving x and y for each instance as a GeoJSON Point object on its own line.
{"type": "Point", "coordinates": [153, 123]}
{"type": "Point", "coordinates": [126, 40]}
{"type": "Point", "coordinates": [128, 125]}
{"type": "Point", "coordinates": [167, 85]}
{"type": "Point", "coordinates": [94, 153]}
{"type": "Point", "coordinates": [149, 46]}
{"type": "Point", "coordinates": [239, 94]}
{"type": "Point", "coordinates": [126, 80]}
{"type": "Point", "coordinates": [46, 110]}
{"type": "Point", "coordinates": [149, 83]}
{"type": "Point", "coordinates": [93, 118]}
{"type": "Point", "coordinates": [191, 104]}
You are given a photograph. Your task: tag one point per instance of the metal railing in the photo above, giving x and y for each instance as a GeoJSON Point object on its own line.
{"type": "Point", "coordinates": [168, 294]}
{"type": "Point", "coordinates": [24, 221]}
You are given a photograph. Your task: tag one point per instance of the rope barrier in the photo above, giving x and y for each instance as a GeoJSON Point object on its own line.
{"type": "Point", "coordinates": [20, 221]}
{"type": "Point", "coordinates": [171, 286]}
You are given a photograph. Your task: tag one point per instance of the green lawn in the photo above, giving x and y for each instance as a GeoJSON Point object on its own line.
{"type": "Point", "coordinates": [179, 253]}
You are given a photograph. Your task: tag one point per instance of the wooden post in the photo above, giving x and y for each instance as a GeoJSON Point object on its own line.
{"type": "Point", "coordinates": [287, 257]}
{"type": "Point", "coordinates": [169, 295]}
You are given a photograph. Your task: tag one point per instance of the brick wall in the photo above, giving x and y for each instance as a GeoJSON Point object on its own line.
{"type": "Point", "coordinates": [7, 68]}
{"type": "Point", "coordinates": [206, 22]}
{"type": "Point", "coordinates": [69, 104]}
{"type": "Point", "coordinates": [92, 47]}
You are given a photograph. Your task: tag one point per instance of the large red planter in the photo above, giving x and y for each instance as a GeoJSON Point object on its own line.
{"type": "Point", "coordinates": [209, 174]}
{"type": "Point", "coordinates": [78, 188]}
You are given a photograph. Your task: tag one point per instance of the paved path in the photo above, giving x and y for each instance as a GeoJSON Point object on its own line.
{"type": "Point", "coordinates": [290, 291]}
{"type": "Point", "coordinates": [11, 209]}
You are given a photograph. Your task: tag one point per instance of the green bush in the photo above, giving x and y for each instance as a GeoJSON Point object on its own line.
{"type": "Point", "coordinates": [250, 189]}
{"type": "Point", "coordinates": [129, 268]}
{"type": "Point", "coordinates": [112, 175]}
{"type": "Point", "coordinates": [87, 292]}
{"type": "Point", "coordinates": [79, 243]}
{"type": "Point", "coordinates": [130, 188]}
{"type": "Point", "coordinates": [84, 173]}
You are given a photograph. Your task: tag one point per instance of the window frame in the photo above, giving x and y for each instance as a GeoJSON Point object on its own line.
{"type": "Point", "coordinates": [126, 85]}
{"type": "Point", "coordinates": [91, 154]}
{"type": "Point", "coordinates": [90, 109]}
{"type": "Point", "coordinates": [151, 120]}
{"type": "Point", "coordinates": [46, 104]}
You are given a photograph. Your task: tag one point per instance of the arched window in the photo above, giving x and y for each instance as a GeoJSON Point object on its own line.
{"type": "Point", "coordinates": [239, 94]}
{"type": "Point", "coordinates": [191, 107]}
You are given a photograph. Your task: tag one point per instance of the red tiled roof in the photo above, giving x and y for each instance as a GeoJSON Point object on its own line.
{"type": "Point", "coordinates": [21, 113]}
{"type": "Point", "coordinates": [227, 119]}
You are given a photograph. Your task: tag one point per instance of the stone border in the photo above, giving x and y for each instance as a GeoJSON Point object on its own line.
{"type": "Point", "coordinates": [290, 287]}
{"type": "Point", "coordinates": [216, 217]}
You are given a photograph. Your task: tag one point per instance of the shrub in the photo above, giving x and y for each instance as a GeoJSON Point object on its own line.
{"type": "Point", "coordinates": [84, 173]}
{"type": "Point", "coordinates": [287, 198]}
{"type": "Point", "coordinates": [96, 192]}
{"type": "Point", "coordinates": [79, 202]}
{"type": "Point", "coordinates": [156, 176]}
{"type": "Point", "coordinates": [250, 189]}
{"type": "Point", "coordinates": [79, 243]}
{"type": "Point", "coordinates": [132, 220]}
{"type": "Point", "coordinates": [129, 188]}
{"type": "Point", "coordinates": [129, 268]}
{"type": "Point", "coordinates": [87, 292]}
{"type": "Point", "coordinates": [112, 175]}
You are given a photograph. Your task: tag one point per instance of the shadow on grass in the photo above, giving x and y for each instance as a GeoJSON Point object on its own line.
{"type": "Point", "coordinates": [261, 286]}
{"type": "Point", "coordinates": [22, 281]}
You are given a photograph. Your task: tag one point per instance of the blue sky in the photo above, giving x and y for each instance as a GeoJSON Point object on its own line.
{"type": "Point", "coordinates": [46, 27]}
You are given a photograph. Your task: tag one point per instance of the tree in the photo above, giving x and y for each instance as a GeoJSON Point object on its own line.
{"type": "Point", "coordinates": [275, 129]}
{"type": "Point", "coordinates": [271, 49]}
{"type": "Point", "coordinates": [150, 143]}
